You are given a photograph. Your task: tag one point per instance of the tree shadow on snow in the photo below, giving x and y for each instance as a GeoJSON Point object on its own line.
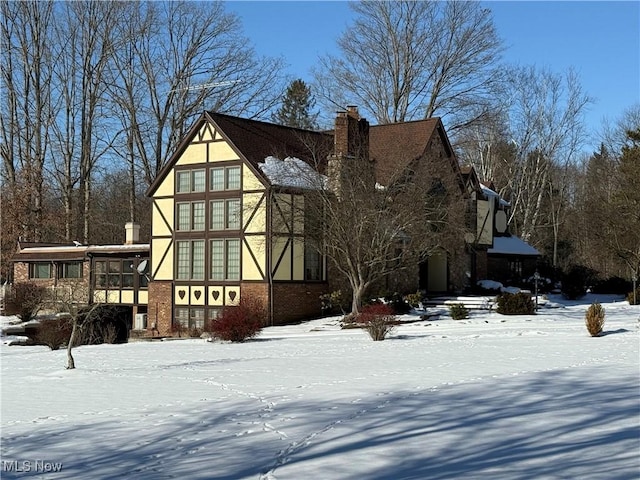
{"type": "Point", "coordinates": [555, 424]}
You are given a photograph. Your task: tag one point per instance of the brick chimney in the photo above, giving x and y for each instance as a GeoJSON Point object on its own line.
{"type": "Point", "coordinates": [351, 143]}
{"type": "Point", "coordinates": [132, 233]}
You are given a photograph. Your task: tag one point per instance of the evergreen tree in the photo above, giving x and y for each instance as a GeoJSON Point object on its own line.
{"type": "Point", "coordinates": [296, 107]}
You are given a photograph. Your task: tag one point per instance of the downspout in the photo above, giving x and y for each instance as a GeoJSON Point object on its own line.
{"type": "Point", "coordinates": [269, 245]}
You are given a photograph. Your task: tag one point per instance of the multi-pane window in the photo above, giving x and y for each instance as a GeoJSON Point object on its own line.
{"type": "Point", "coordinates": [189, 317]}
{"type": "Point", "coordinates": [225, 259]}
{"type": "Point", "coordinates": [188, 181]}
{"type": "Point", "coordinates": [190, 216]}
{"type": "Point", "coordinates": [70, 270]}
{"type": "Point", "coordinates": [190, 259]}
{"type": "Point", "coordinates": [224, 178]}
{"type": "Point", "coordinates": [516, 267]}
{"type": "Point", "coordinates": [225, 214]}
{"type": "Point", "coordinates": [117, 274]}
{"type": "Point", "coordinates": [40, 270]}
{"type": "Point", "coordinates": [312, 264]}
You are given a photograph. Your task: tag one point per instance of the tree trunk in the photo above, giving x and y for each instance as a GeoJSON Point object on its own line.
{"type": "Point", "coordinates": [71, 364]}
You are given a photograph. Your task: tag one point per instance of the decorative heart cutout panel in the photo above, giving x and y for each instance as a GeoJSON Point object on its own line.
{"type": "Point", "coordinates": [232, 295]}
{"type": "Point", "coordinates": [216, 294]}
{"type": "Point", "coordinates": [197, 294]}
{"type": "Point", "coordinates": [181, 294]}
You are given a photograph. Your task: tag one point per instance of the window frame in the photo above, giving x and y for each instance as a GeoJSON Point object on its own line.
{"type": "Point", "coordinates": [190, 261]}
{"type": "Point", "coordinates": [32, 270]}
{"type": "Point", "coordinates": [226, 178]}
{"type": "Point", "coordinates": [224, 221]}
{"type": "Point", "coordinates": [225, 264]}
{"type": "Point", "coordinates": [191, 207]}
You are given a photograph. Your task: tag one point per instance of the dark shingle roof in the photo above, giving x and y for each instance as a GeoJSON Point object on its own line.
{"type": "Point", "coordinates": [257, 140]}
{"type": "Point", "coordinates": [392, 146]}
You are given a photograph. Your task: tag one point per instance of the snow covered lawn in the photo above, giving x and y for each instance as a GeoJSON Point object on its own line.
{"type": "Point", "coordinates": [490, 397]}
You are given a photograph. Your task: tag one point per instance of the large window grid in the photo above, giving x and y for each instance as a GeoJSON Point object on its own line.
{"type": "Point", "coordinates": [118, 274]}
{"type": "Point", "coordinates": [225, 259]}
{"type": "Point", "coordinates": [224, 178]}
{"type": "Point", "coordinates": [225, 214]}
{"type": "Point", "coordinates": [190, 216]}
{"type": "Point", "coordinates": [190, 181]}
{"type": "Point", "coordinates": [190, 318]}
{"type": "Point", "coordinates": [190, 259]}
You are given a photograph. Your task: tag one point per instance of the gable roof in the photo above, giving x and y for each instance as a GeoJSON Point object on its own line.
{"type": "Point", "coordinates": [392, 146]}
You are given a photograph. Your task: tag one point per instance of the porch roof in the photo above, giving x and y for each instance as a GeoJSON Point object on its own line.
{"type": "Point", "coordinates": [512, 246]}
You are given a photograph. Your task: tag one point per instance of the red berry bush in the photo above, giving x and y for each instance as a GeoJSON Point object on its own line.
{"type": "Point", "coordinates": [239, 323]}
{"type": "Point", "coordinates": [378, 320]}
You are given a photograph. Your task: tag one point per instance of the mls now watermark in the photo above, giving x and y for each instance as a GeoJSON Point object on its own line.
{"type": "Point", "coordinates": [31, 466]}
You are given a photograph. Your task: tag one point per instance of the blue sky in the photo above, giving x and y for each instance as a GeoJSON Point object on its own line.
{"type": "Point", "coordinates": [600, 40]}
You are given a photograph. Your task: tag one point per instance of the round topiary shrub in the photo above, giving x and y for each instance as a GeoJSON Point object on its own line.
{"type": "Point", "coordinates": [594, 319]}
{"type": "Point", "coordinates": [515, 304]}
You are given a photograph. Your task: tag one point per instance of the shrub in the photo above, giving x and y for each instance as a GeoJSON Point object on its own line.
{"type": "Point", "coordinates": [612, 285]}
{"type": "Point", "coordinates": [414, 299]}
{"type": "Point", "coordinates": [458, 311]}
{"type": "Point", "coordinates": [637, 297]}
{"type": "Point", "coordinates": [397, 303]}
{"type": "Point", "coordinates": [53, 333]}
{"type": "Point", "coordinates": [594, 319]}
{"type": "Point", "coordinates": [377, 319]}
{"type": "Point", "coordinates": [179, 330]}
{"type": "Point", "coordinates": [515, 304]}
{"type": "Point", "coordinates": [28, 298]}
{"type": "Point", "coordinates": [333, 303]}
{"type": "Point", "coordinates": [575, 281]}
{"type": "Point", "coordinates": [239, 323]}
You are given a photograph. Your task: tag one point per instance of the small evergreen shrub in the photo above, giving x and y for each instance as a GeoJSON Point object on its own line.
{"type": "Point", "coordinates": [333, 303]}
{"type": "Point", "coordinates": [414, 299]}
{"type": "Point", "coordinates": [239, 323]}
{"type": "Point", "coordinates": [515, 304]}
{"type": "Point", "coordinates": [378, 320]}
{"type": "Point", "coordinates": [637, 297]}
{"type": "Point", "coordinates": [53, 333]}
{"type": "Point", "coordinates": [28, 298]}
{"type": "Point", "coordinates": [594, 319]}
{"type": "Point", "coordinates": [458, 311]}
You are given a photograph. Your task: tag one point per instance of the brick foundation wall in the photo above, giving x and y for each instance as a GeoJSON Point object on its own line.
{"type": "Point", "coordinates": [160, 308]}
{"type": "Point", "coordinates": [296, 301]}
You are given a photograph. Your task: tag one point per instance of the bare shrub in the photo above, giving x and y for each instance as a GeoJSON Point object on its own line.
{"type": "Point", "coordinates": [28, 298]}
{"type": "Point", "coordinates": [594, 319]}
{"type": "Point", "coordinates": [109, 333]}
{"type": "Point", "coordinates": [378, 320]}
{"type": "Point", "coordinates": [54, 333]}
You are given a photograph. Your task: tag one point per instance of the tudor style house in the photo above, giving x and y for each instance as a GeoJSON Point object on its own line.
{"type": "Point", "coordinates": [229, 220]}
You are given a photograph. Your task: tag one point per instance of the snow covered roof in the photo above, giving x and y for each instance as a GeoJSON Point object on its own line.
{"type": "Point", "coordinates": [75, 252]}
{"type": "Point", "coordinates": [512, 246]}
{"type": "Point", "coordinates": [292, 172]}
{"type": "Point", "coordinates": [490, 193]}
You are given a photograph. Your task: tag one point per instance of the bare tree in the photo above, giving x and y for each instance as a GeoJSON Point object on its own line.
{"type": "Point", "coordinates": [406, 60]}
{"type": "Point", "coordinates": [546, 127]}
{"type": "Point", "coordinates": [26, 109]}
{"type": "Point", "coordinates": [368, 230]}
{"type": "Point", "coordinates": [176, 62]}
